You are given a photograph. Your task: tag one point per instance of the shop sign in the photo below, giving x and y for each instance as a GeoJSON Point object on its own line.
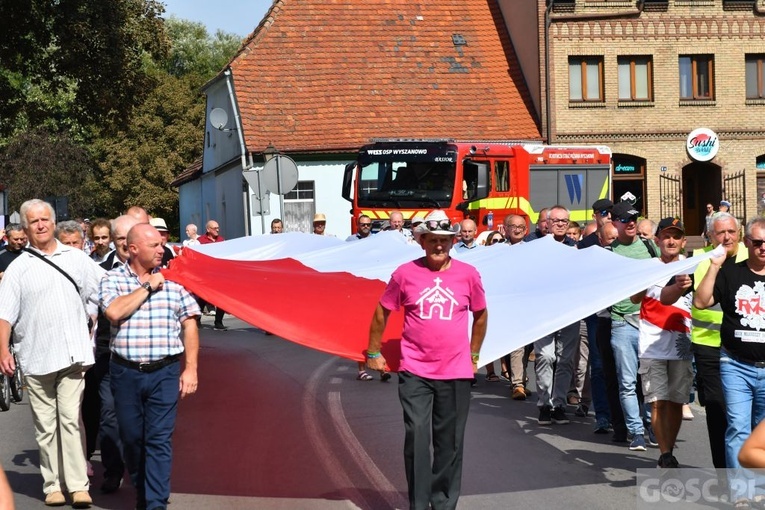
{"type": "Point", "coordinates": [702, 144]}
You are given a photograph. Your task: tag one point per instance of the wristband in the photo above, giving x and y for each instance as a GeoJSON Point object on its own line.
{"type": "Point", "coordinates": [373, 355]}
{"type": "Point", "coordinates": [474, 356]}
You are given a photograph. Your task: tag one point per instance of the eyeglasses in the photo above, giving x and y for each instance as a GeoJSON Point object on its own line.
{"type": "Point", "coordinates": [496, 240]}
{"type": "Point", "coordinates": [757, 243]}
{"type": "Point", "coordinates": [604, 212]}
{"type": "Point", "coordinates": [558, 221]}
{"type": "Point", "coordinates": [433, 225]}
{"type": "Point", "coordinates": [365, 225]}
{"type": "Point", "coordinates": [627, 220]}
{"type": "Point", "coordinates": [518, 227]}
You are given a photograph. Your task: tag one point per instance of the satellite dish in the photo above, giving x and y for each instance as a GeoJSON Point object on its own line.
{"type": "Point", "coordinates": [218, 118]}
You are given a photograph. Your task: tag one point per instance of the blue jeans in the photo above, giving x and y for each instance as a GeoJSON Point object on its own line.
{"type": "Point", "coordinates": [146, 405]}
{"type": "Point", "coordinates": [744, 387]}
{"type": "Point", "coordinates": [624, 341]}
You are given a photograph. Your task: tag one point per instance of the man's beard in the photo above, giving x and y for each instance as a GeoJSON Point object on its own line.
{"type": "Point", "coordinates": [101, 249]}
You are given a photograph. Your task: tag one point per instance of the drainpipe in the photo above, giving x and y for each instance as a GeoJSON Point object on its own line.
{"type": "Point", "coordinates": [237, 119]}
{"type": "Point", "coordinates": [549, 18]}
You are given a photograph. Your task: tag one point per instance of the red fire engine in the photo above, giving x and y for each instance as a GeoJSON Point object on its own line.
{"type": "Point", "coordinates": [482, 180]}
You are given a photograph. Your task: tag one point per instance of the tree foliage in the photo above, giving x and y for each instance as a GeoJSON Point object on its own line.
{"type": "Point", "coordinates": [114, 88]}
{"type": "Point", "coordinates": [39, 164]}
{"type": "Point", "coordinates": [76, 61]}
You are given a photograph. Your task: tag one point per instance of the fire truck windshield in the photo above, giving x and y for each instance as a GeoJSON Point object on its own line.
{"type": "Point", "coordinates": [406, 184]}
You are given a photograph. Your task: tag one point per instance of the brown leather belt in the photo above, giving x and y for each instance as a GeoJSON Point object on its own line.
{"type": "Point", "coordinates": [147, 367]}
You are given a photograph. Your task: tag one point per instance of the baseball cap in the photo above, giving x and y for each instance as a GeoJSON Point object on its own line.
{"type": "Point", "coordinates": [624, 211]}
{"type": "Point", "coordinates": [670, 223]}
{"type": "Point", "coordinates": [725, 203]}
{"type": "Point", "coordinates": [603, 204]}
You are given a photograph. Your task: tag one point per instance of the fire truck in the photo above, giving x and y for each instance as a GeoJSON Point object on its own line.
{"type": "Point", "coordinates": [485, 181]}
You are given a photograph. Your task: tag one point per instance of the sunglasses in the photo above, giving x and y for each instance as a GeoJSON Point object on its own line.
{"type": "Point", "coordinates": [496, 240]}
{"type": "Point", "coordinates": [604, 212]}
{"type": "Point", "coordinates": [627, 220]}
{"type": "Point", "coordinates": [365, 224]}
{"type": "Point", "coordinates": [434, 225]}
{"type": "Point", "coordinates": [757, 243]}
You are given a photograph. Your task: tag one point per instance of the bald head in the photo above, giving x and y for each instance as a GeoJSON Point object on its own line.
{"type": "Point", "coordinates": [468, 231]}
{"type": "Point", "coordinates": [139, 213]}
{"type": "Point", "coordinates": [120, 228]}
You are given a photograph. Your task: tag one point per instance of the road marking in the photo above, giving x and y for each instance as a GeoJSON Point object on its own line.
{"type": "Point", "coordinates": [332, 465]}
{"type": "Point", "coordinates": [204, 502]}
{"type": "Point", "coordinates": [335, 380]}
{"type": "Point", "coordinates": [381, 484]}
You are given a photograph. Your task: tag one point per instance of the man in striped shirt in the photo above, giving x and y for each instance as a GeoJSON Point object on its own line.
{"type": "Point", "coordinates": [154, 322]}
{"type": "Point", "coordinates": [53, 343]}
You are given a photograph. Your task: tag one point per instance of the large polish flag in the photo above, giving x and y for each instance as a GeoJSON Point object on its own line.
{"type": "Point", "coordinates": [320, 291]}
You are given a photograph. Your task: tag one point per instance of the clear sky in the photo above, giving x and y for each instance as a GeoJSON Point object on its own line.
{"type": "Point", "coordinates": [236, 16]}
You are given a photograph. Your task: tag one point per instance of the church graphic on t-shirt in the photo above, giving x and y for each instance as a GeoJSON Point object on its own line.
{"type": "Point", "coordinates": [437, 302]}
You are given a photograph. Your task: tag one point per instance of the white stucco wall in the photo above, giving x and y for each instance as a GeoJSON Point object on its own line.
{"type": "Point", "coordinates": [327, 177]}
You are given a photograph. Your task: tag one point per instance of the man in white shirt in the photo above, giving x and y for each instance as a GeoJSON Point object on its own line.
{"type": "Point", "coordinates": [51, 337]}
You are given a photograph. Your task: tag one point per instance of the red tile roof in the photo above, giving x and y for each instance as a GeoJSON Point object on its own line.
{"type": "Point", "coordinates": [329, 75]}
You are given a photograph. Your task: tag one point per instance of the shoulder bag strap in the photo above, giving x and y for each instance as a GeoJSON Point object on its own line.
{"type": "Point", "coordinates": [77, 288]}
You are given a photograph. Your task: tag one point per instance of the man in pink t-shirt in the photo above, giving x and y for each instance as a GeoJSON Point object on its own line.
{"type": "Point", "coordinates": [438, 359]}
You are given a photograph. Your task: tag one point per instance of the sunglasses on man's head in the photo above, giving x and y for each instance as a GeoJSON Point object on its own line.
{"type": "Point", "coordinates": [434, 225]}
{"type": "Point", "coordinates": [627, 220]}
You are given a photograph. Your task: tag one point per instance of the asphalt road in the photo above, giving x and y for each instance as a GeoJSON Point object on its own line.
{"type": "Point", "coordinates": [278, 426]}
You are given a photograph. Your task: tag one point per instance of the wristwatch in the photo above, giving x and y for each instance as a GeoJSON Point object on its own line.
{"type": "Point", "coordinates": [147, 286]}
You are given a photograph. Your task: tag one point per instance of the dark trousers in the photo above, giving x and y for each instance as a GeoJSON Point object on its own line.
{"type": "Point", "coordinates": [603, 339]}
{"type": "Point", "coordinates": [146, 405]}
{"type": "Point", "coordinates": [441, 406]}
{"type": "Point", "coordinates": [597, 379]}
{"type": "Point", "coordinates": [219, 315]}
{"type": "Point", "coordinates": [91, 410]}
{"type": "Point", "coordinates": [711, 396]}
{"type": "Point", "coordinates": [109, 431]}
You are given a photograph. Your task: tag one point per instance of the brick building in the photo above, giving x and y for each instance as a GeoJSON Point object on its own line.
{"type": "Point", "coordinates": [640, 77]}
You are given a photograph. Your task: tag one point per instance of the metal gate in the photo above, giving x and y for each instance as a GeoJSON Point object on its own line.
{"type": "Point", "coordinates": [734, 191]}
{"type": "Point", "coordinates": [670, 197]}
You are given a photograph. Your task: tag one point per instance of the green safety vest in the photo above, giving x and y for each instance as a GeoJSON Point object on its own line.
{"type": "Point", "coordinates": [705, 324]}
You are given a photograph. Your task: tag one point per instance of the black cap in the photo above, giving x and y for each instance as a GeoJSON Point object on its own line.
{"type": "Point", "coordinates": [602, 204]}
{"type": "Point", "coordinates": [624, 211]}
{"type": "Point", "coordinates": [668, 223]}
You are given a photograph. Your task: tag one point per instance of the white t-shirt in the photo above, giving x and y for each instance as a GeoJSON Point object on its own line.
{"type": "Point", "coordinates": [665, 329]}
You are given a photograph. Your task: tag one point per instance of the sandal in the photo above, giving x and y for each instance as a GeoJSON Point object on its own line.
{"type": "Point", "coordinates": [505, 375]}
{"type": "Point", "coordinates": [492, 377]}
{"type": "Point", "coordinates": [363, 376]}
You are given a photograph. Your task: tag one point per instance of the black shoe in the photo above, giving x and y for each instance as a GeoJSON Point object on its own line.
{"type": "Point", "coordinates": [582, 411]}
{"type": "Point", "coordinates": [385, 377]}
{"type": "Point", "coordinates": [111, 484]}
{"type": "Point", "coordinates": [619, 437]}
{"type": "Point", "coordinates": [559, 416]}
{"type": "Point", "coordinates": [545, 415]}
{"type": "Point", "coordinates": [667, 460]}
{"type": "Point", "coordinates": [220, 327]}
